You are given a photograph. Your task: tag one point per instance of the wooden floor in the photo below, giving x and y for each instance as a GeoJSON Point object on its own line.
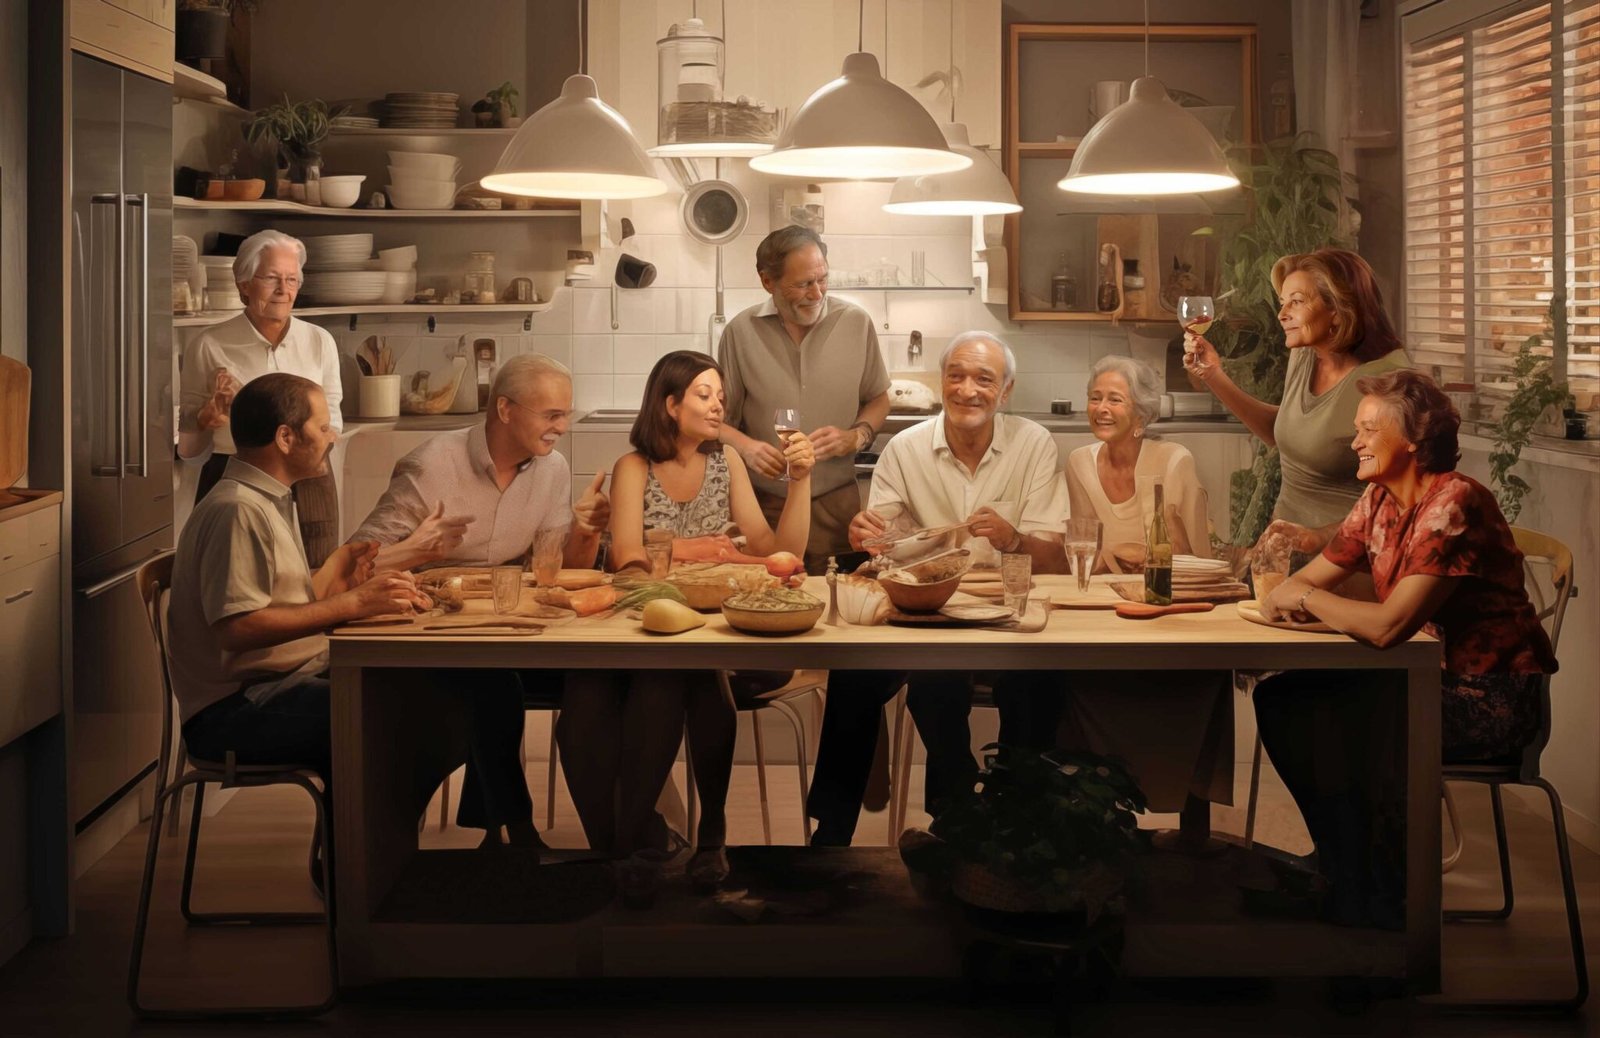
{"type": "Point", "coordinates": [253, 852]}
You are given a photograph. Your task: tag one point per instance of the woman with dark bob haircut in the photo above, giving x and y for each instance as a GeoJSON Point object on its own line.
{"type": "Point", "coordinates": [678, 478]}
{"type": "Point", "coordinates": [1442, 557]}
{"type": "Point", "coordinates": [1337, 333]}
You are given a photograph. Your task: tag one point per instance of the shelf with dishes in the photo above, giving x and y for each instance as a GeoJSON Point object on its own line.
{"type": "Point", "coordinates": [283, 208]}
{"type": "Point", "coordinates": [431, 312]}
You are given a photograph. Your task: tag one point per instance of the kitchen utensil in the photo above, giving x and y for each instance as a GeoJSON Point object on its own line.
{"type": "Point", "coordinates": [1144, 611]}
{"type": "Point", "coordinates": [633, 272]}
{"type": "Point", "coordinates": [380, 396]}
{"type": "Point", "coordinates": [15, 378]}
{"type": "Point", "coordinates": [1250, 609]}
{"type": "Point", "coordinates": [366, 368]}
{"type": "Point", "coordinates": [714, 212]}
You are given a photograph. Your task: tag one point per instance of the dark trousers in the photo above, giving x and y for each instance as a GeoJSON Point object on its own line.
{"type": "Point", "coordinates": [1337, 739]}
{"type": "Point", "coordinates": [479, 720]}
{"type": "Point", "coordinates": [316, 504]}
{"type": "Point", "coordinates": [939, 703]}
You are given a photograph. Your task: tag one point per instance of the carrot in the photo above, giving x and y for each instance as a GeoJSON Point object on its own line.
{"type": "Point", "coordinates": [592, 600]}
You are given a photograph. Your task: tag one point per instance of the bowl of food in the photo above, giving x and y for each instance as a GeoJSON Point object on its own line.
{"type": "Point", "coordinates": [778, 610]}
{"type": "Point", "coordinates": [925, 586]}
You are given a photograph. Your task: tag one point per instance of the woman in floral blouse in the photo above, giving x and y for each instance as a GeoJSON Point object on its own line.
{"type": "Point", "coordinates": [1442, 558]}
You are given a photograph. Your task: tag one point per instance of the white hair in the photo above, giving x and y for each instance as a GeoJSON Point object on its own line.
{"type": "Point", "coordinates": [1144, 383]}
{"type": "Point", "coordinates": [248, 261]}
{"type": "Point", "coordinates": [967, 338]}
{"type": "Point", "coordinates": [517, 375]}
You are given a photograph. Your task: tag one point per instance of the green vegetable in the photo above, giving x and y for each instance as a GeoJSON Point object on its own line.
{"type": "Point", "coordinates": [649, 591]}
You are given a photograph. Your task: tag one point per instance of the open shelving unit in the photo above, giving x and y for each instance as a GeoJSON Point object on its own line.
{"type": "Point", "coordinates": [284, 208]}
{"type": "Point", "coordinates": [431, 311]}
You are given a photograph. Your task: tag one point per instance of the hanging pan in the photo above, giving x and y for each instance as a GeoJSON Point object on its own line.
{"type": "Point", "coordinates": [714, 212]}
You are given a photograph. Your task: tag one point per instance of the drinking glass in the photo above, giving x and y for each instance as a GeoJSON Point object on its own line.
{"type": "Point", "coordinates": [548, 546]}
{"type": "Point", "coordinates": [1269, 567]}
{"type": "Point", "coordinates": [658, 548]}
{"type": "Point", "coordinates": [1083, 547]}
{"type": "Point", "coordinates": [898, 525]}
{"type": "Point", "coordinates": [786, 420]}
{"type": "Point", "coordinates": [1195, 313]}
{"type": "Point", "coordinates": [507, 584]}
{"type": "Point", "coordinates": [1016, 578]}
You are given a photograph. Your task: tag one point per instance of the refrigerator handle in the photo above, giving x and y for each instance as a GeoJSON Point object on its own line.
{"type": "Point", "coordinates": [142, 202]}
{"type": "Point", "coordinates": [118, 340]}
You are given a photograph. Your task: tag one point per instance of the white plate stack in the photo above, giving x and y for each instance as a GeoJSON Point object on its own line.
{"type": "Point", "coordinates": [422, 179]}
{"type": "Point", "coordinates": [421, 110]}
{"type": "Point", "coordinates": [353, 122]}
{"type": "Point", "coordinates": [221, 293]}
{"type": "Point", "coordinates": [186, 271]}
{"type": "Point", "coordinates": [339, 270]}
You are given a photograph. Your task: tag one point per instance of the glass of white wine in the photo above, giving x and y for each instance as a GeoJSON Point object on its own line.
{"type": "Point", "coordinates": [1195, 313]}
{"type": "Point", "coordinates": [786, 420]}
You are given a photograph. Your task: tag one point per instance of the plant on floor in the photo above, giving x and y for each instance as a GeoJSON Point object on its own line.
{"type": "Point", "coordinates": [1296, 203]}
{"type": "Point", "coordinates": [1536, 390]}
{"type": "Point", "coordinates": [1054, 831]}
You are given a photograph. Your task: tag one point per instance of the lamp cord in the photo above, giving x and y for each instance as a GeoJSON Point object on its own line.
{"type": "Point", "coordinates": [861, 22]}
{"type": "Point", "coordinates": [583, 37]}
{"type": "Point", "coordinates": [951, 71]}
{"type": "Point", "coordinates": [1147, 39]}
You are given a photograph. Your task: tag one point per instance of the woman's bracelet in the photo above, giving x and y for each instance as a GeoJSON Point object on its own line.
{"type": "Point", "coordinates": [1300, 606]}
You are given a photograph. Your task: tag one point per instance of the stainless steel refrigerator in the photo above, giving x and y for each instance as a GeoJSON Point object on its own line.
{"type": "Point", "coordinates": [121, 513]}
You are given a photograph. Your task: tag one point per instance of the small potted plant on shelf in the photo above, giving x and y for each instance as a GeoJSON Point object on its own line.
{"type": "Point", "coordinates": [497, 108]}
{"type": "Point", "coordinates": [1535, 398]}
{"type": "Point", "coordinates": [201, 28]}
{"type": "Point", "coordinates": [298, 130]}
{"type": "Point", "coordinates": [1040, 832]}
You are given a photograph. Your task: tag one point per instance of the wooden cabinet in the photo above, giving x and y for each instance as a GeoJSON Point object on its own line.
{"type": "Point", "coordinates": [30, 618]}
{"type": "Point", "coordinates": [1050, 76]}
{"type": "Point", "coordinates": [135, 34]}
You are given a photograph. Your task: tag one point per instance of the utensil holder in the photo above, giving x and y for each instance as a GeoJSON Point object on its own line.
{"type": "Point", "coordinates": [380, 396]}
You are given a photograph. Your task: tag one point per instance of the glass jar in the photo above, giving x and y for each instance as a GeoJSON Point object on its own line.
{"type": "Point", "coordinates": [479, 282]}
{"type": "Point", "coordinates": [689, 68]}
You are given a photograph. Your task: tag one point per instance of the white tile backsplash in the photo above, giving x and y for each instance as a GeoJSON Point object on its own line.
{"type": "Point", "coordinates": [634, 354]}
{"type": "Point", "coordinates": [591, 391]}
{"type": "Point", "coordinates": [591, 309]}
{"type": "Point", "coordinates": [627, 390]}
{"type": "Point", "coordinates": [591, 354]}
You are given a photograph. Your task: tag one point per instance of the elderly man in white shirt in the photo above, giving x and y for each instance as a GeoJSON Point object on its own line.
{"type": "Point", "coordinates": [503, 483]}
{"type": "Point", "coordinates": [998, 473]}
{"type": "Point", "coordinates": [265, 337]}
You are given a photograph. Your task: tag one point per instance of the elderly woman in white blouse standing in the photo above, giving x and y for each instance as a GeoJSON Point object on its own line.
{"type": "Point", "coordinates": [1114, 479]}
{"type": "Point", "coordinates": [265, 337]}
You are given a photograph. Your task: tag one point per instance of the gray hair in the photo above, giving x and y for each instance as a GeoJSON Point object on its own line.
{"type": "Point", "coordinates": [773, 252]}
{"type": "Point", "coordinates": [1144, 383]}
{"type": "Point", "coordinates": [248, 261]}
{"type": "Point", "coordinates": [518, 375]}
{"type": "Point", "coordinates": [967, 338]}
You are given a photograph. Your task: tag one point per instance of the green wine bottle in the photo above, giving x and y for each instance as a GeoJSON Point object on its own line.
{"type": "Point", "coordinates": [1158, 557]}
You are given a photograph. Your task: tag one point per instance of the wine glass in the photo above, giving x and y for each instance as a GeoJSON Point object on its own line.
{"type": "Point", "coordinates": [786, 420]}
{"type": "Point", "coordinates": [1083, 547]}
{"type": "Point", "coordinates": [1195, 313]}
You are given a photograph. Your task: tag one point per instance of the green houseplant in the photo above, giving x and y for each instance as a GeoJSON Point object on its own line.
{"type": "Point", "coordinates": [1042, 832]}
{"type": "Point", "coordinates": [1536, 390]}
{"type": "Point", "coordinates": [1296, 203]}
{"type": "Point", "coordinates": [297, 129]}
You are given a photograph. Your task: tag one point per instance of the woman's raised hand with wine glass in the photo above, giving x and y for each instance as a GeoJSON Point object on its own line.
{"type": "Point", "coordinates": [1195, 315]}
{"type": "Point", "coordinates": [795, 446]}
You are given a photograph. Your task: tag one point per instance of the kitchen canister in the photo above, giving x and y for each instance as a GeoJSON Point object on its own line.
{"type": "Point", "coordinates": [380, 396]}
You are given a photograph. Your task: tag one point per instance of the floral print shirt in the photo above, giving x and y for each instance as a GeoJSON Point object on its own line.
{"type": "Point", "coordinates": [1488, 626]}
{"type": "Point", "coordinates": [708, 512]}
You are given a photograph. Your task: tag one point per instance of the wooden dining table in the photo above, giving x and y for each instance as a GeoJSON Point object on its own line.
{"type": "Point", "coordinates": [390, 924]}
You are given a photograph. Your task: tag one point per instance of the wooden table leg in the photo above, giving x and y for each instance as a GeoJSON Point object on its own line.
{"type": "Point", "coordinates": [1423, 874]}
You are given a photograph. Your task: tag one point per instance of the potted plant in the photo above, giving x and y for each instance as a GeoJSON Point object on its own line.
{"type": "Point", "coordinates": [202, 28]}
{"type": "Point", "coordinates": [498, 107]}
{"type": "Point", "coordinates": [1040, 832]}
{"type": "Point", "coordinates": [1536, 392]}
{"type": "Point", "coordinates": [1296, 196]}
{"type": "Point", "coordinates": [298, 130]}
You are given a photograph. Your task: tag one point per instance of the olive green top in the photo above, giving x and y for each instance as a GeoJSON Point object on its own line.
{"type": "Point", "coordinates": [1314, 433]}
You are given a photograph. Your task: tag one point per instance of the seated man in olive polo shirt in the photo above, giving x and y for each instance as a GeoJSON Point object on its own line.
{"type": "Point", "coordinates": [248, 651]}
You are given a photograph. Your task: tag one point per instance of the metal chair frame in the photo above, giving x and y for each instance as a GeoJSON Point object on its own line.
{"type": "Point", "coordinates": [176, 771]}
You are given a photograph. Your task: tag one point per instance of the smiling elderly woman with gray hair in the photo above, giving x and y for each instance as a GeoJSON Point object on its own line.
{"type": "Point", "coordinates": [1114, 479]}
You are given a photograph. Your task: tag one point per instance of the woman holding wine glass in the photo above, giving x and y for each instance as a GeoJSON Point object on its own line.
{"type": "Point", "coordinates": [1337, 333]}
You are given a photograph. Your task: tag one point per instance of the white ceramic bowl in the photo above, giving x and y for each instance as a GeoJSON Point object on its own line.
{"type": "Point", "coordinates": [426, 164]}
{"type": "Point", "coordinates": [398, 286]}
{"type": "Point", "coordinates": [341, 192]}
{"type": "Point", "coordinates": [424, 194]}
{"type": "Point", "coordinates": [403, 257]}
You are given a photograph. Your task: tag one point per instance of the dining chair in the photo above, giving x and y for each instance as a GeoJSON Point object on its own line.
{"type": "Point", "coordinates": [154, 580]}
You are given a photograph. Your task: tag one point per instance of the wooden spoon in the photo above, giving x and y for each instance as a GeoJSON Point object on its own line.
{"type": "Point", "coordinates": [1145, 611]}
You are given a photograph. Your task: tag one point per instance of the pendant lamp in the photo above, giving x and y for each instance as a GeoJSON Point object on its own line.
{"type": "Point", "coordinates": [860, 127]}
{"type": "Point", "coordinates": [1148, 145]}
{"type": "Point", "coordinates": [577, 147]}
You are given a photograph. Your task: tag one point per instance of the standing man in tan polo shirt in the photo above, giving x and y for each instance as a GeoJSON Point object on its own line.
{"type": "Point", "coordinates": [801, 349]}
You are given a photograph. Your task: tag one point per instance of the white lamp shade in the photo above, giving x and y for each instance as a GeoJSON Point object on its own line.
{"type": "Point", "coordinates": [979, 190]}
{"type": "Point", "coordinates": [1148, 145]}
{"type": "Point", "coordinates": [860, 127]}
{"type": "Point", "coordinates": [577, 146]}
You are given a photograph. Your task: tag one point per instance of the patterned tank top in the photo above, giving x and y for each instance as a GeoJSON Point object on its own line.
{"type": "Point", "coordinates": [706, 513]}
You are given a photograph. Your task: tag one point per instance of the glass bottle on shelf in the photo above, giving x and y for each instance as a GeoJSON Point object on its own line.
{"type": "Point", "coordinates": [479, 284]}
{"type": "Point", "coordinates": [1107, 296]}
{"type": "Point", "coordinates": [1063, 286]}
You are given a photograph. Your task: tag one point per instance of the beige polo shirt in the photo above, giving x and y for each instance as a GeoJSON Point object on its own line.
{"type": "Point", "coordinates": [307, 350]}
{"type": "Point", "coordinates": [240, 551]}
{"type": "Point", "coordinates": [1018, 477]}
{"type": "Point", "coordinates": [455, 467]}
{"type": "Point", "coordinates": [833, 371]}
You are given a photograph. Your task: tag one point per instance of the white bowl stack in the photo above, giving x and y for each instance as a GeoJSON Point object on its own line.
{"type": "Point", "coordinates": [422, 179]}
{"type": "Point", "coordinates": [221, 292]}
{"type": "Point", "coordinates": [339, 270]}
{"type": "Point", "coordinates": [399, 267]}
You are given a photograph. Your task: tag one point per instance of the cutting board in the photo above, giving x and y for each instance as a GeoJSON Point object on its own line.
{"type": "Point", "coordinates": [14, 381]}
{"type": "Point", "coordinates": [1145, 611]}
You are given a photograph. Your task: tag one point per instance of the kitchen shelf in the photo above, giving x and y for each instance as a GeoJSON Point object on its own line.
{"type": "Point", "coordinates": [1049, 149]}
{"type": "Point", "coordinates": [208, 318]}
{"type": "Point", "coordinates": [191, 84]}
{"type": "Point", "coordinates": [268, 205]}
{"type": "Point", "coordinates": [412, 131]}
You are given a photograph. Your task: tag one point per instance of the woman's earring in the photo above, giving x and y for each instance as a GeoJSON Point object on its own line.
{"type": "Point", "coordinates": [1138, 433]}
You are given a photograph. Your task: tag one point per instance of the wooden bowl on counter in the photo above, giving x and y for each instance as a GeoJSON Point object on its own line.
{"type": "Point", "coordinates": [918, 598]}
{"type": "Point", "coordinates": [800, 614]}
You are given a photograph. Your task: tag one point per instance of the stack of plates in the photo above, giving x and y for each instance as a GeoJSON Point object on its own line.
{"type": "Point", "coordinates": [1192, 570]}
{"type": "Point", "coordinates": [421, 110]}
{"type": "Point", "coordinates": [353, 122]}
{"type": "Point", "coordinates": [338, 252]}
{"type": "Point", "coordinates": [348, 287]}
{"type": "Point", "coordinates": [221, 292]}
{"type": "Point", "coordinates": [186, 268]}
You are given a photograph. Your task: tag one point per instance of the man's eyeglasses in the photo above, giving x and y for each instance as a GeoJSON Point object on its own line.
{"type": "Point", "coordinates": [546, 416]}
{"type": "Point", "coordinates": [805, 287]}
{"type": "Point", "coordinates": [291, 283]}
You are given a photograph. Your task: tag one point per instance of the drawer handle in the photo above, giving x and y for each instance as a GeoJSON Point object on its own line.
{"type": "Point", "coordinates": [19, 596]}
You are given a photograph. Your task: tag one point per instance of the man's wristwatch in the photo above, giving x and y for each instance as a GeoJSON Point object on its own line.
{"type": "Point", "coordinates": [871, 434]}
